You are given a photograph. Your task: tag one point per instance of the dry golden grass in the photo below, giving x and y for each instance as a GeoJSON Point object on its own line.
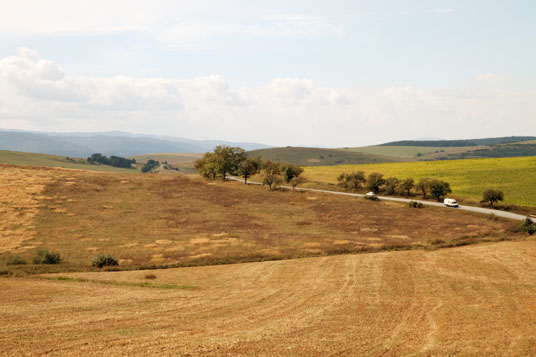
{"type": "Point", "coordinates": [20, 199]}
{"type": "Point", "coordinates": [147, 220]}
{"type": "Point", "coordinates": [173, 159]}
{"type": "Point", "coordinates": [475, 300]}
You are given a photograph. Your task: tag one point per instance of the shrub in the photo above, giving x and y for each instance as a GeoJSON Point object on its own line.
{"type": "Point", "coordinates": [352, 180]}
{"type": "Point", "coordinates": [15, 260]}
{"type": "Point", "coordinates": [150, 276]}
{"type": "Point", "coordinates": [414, 204]}
{"type": "Point", "coordinates": [43, 256]}
{"type": "Point", "coordinates": [150, 165]}
{"type": "Point", "coordinates": [375, 181]}
{"type": "Point", "coordinates": [105, 261]}
{"type": "Point", "coordinates": [528, 226]}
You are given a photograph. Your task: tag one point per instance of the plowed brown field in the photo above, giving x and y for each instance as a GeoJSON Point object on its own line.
{"type": "Point", "coordinates": [474, 300]}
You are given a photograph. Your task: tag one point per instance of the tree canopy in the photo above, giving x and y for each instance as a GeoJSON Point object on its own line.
{"type": "Point", "coordinates": [492, 196]}
{"type": "Point", "coordinates": [223, 161]}
{"type": "Point", "coordinates": [115, 161]}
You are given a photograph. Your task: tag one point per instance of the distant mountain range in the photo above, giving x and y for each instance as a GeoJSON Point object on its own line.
{"type": "Point", "coordinates": [107, 143]}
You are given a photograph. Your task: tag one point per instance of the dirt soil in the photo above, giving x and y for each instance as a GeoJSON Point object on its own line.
{"type": "Point", "coordinates": [473, 300]}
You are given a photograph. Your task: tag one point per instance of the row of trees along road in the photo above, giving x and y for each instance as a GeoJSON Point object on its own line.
{"type": "Point", "coordinates": [392, 185]}
{"type": "Point", "coordinates": [229, 160]}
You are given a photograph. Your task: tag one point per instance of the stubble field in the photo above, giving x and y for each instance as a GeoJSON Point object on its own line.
{"type": "Point", "coordinates": [162, 220]}
{"type": "Point", "coordinates": [474, 300]}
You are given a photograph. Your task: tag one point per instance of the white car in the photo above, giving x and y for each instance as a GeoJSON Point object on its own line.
{"type": "Point", "coordinates": [450, 202]}
{"type": "Point", "coordinates": [370, 194]}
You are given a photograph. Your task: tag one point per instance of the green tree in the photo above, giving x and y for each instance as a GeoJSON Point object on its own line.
{"type": "Point", "coordinates": [206, 166]}
{"type": "Point", "coordinates": [406, 185]}
{"type": "Point", "coordinates": [228, 158]}
{"type": "Point", "coordinates": [224, 160]}
{"type": "Point", "coordinates": [272, 174]}
{"type": "Point", "coordinates": [391, 184]}
{"type": "Point", "coordinates": [439, 189]}
{"type": "Point", "coordinates": [492, 197]}
{"type": "Point", "coordinates": [248, 168]}
{"type": "Point", "coordinates": [290, 171]}
{"type": "Point", "coordinates": [298, 180]}
{"type": "Point", "coordinates": [424, 186]}
{"type": "Point", "coordinates": [352, 181]}
{"type": "Point", "coordinates": [150, 165]}
{"type": "Point", "coordinates": [375, 181]}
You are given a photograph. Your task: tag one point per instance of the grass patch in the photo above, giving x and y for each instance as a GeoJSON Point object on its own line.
{"type": "Point", "coordinates": [404, 152]}
{"type": "Point", "coordinates": [15, 259]}
{"type": "Point", "coordinates": [316, 156]}
{"type": "Point", "coordinates": [32, 159]}
{"type": "Point", "coordinates": [121, 283]}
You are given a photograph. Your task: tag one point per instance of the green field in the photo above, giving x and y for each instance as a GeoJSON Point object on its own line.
{"type": "Point", "coordinates": [407, 152]}
{"type": "Point", "coordinates": [516, 177]}
{"type": "Point", "coordinates": [31, 159]}
{"type": "Point", "coordinates": [319, 157]}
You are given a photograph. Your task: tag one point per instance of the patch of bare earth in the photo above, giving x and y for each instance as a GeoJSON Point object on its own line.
{"type": "Point", "coordinates": [474, 300]}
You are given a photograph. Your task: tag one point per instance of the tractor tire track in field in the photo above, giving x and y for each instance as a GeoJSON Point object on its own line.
{"type": "Point", "coordinates": [468, 300]}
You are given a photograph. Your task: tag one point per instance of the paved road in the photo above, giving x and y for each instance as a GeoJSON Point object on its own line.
{"type": "Point", "coordinates": [495, 212]}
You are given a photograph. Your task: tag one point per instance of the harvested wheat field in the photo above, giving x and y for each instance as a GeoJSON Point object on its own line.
{"type": "Point", "coordinates": [176, 220]}
{"type": "Point", "coordinates": [20, 199]}
{"type": "Point", "coordinates": [473, 300]}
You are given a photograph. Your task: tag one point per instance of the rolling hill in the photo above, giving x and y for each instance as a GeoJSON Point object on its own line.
{"type": "Point", "coordinates": [430, 150]}
{"type": "Point", "coordinates": [408, 153]}
{"type": "Point", "coordinates": [472, 300]}
{"type": "Point", "coordinates": [32, 159]}
{"type": "Point", "coordinates": [462, 142]}
{"type": "Point", "coordinates": [319, 157]}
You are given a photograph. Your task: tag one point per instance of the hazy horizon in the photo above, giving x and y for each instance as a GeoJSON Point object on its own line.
{"type": "Point", "coordinates": [347, 73]}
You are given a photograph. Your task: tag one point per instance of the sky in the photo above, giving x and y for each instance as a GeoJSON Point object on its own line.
{"type": "Point", "coordinates": [309, 73]}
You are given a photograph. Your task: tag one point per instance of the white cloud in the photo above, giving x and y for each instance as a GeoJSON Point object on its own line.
{"type": "Point", "coordinates": [27, 53]}
{"type": "Point", "coordinates": [216, 89]}
{"type": "Point", "coordinates": [37, 81]}
{"type": "Point", "coordinates": [37, 94]}
{"type": "Point", "coordinates": [291, 90]}
{"type": "Point", "coordinates": [295, 91]}
{"type": "Point", "coordinates": [336, 97]}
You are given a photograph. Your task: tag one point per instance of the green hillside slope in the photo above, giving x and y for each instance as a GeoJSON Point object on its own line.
{"type": "Point", "coordinates": [319, 157]}
{"type": "Point", "coordinates": [31, 159]}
